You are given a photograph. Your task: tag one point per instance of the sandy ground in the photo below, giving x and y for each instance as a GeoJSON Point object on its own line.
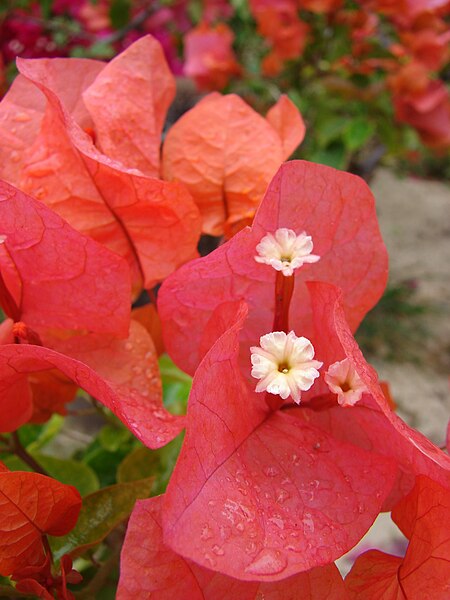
{"type": "Point", "coordinates": [415, 223]}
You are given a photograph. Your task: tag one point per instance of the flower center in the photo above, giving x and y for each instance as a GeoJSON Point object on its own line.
{"type": "Point", "coordinates": [284, 364]}
{"type": "Point", "coordinates": [285, 251]}
{"type": "Point", "coordinates": [343, 380]}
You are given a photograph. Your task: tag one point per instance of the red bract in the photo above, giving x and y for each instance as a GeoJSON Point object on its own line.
{"type": "Point", "coordinates": [151, 571]}
{"type": "Point", "coordinates": [424, 572]}
{"type": "Point", "coordinates": [122, 374]}
{"type": "Point", "coordinates": [53, 277]}
{"type": "Point", "coordinates": [138, 88]}
{"type": "Point", "coordinates": [32, 505]}
{"type": "Point", "coordinates": [335, 208]}
{"type": "Point", "coordinates": [226, 154]}
{"type": "Point", "coordinates": [209, 56]}
{"type": "Point", "coordinates": [262, 495]}
{"type": "Point", "coordinates": [279, 23]}
{"type": "Point", "coordinates": [106, 197]}
{"type": "Point", "coordinates": [370, 424]}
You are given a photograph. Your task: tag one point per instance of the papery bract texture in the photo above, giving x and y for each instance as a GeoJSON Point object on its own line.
{"type": "Point", "coordinates": [424, 572]}
{"type": "Point", "coordinates": [110, 196]}
{"type": "Point", "coordinates": [371, 423]}
{"type": "Point", "coordinates": [32, 505]}
{"type": "Point", "coordinates": [23, 107]}
{"type": "Point", "coordinates": [259, 495]}
{"type": "Point", "coordinates": [128, 103]}
{"type": "Point", "coordinates": [226, 154]}
{"type": "Point", "coordinates": [57, 277]}
{"type": "Point", "coordinates": [121, 374]}
{"type": "Point", "coordinates": [151, 571]}
{"type": "Point", "coordinates": [336, 209]}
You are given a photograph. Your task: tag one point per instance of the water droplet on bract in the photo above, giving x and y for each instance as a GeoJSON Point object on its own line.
{"type": "Point", "coordinates": [15, 156]}
{"type": "Point", "coordinates": [21, 117]}
{"type": "Point", "coordinates": [268, 562]}
{"type": "Point", "coordinates": [211, 503]}
{"type": "Point", "coordinates": [128, 346]}
{"type": "Point", "coordinates": [218, 551]}
{"type": "Point", "coordinates": [250, 548]}
{"type": "Point", "coordinates": [271, 471]}
{"type": "Point", "coordinates": [210, 560]}
{"type": "Point", "coordinates": [308, 523]}
{"type": "Point", "coordinates": [137, 370]}
{"type": "Point", "coordinates": [240, 527]}
{"type": "Point", "coordinates": [149, 373]}
{"type": "Point", "coordinates": [277, 521]}
{"type": "Point", "coordinates": [160, 414]}
{"type": "Point", "coordinates": [282, 495]}
{"type": "Point", "coordinates": [206, 532]}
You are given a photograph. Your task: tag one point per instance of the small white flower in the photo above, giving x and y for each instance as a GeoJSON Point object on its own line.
{"type": "Point", "coordinates": [286, 251]}
{"type": "Point", "coordinates": [343, 380]}
{"type": "Point", "coordinates": [284, 364]}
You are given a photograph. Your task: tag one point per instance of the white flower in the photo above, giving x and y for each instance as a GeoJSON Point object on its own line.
{"type": "Point", "coordinates": [343, 380]}
{"type": "Point", "coordinates": [284, 364]}
{"type": "Point", "coordinates": [285, 251]}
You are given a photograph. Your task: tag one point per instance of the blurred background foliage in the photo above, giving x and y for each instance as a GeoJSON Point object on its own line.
{"type": "Point", "coordinates": [370, 77]}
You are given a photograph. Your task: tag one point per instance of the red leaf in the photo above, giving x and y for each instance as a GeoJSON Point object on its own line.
{"type": "Point", "coordinates": [287, 121]}
{"type": "Point", "coordinates": [150, 570]}
{"type": "Point", "coordinates": [32, 505]}
{"type": "Point", "coordinates": [424, 516]}
{"type": "Point", "coordinates": [121, 374]}
{"type": "Point", "coordinates": [56, 276]}
{"type": "Point", "coordinates": [260, 495]}
{"type": "Point", "coordinates": [335, 208]}
{"type": "Point", "coordinates": [226, 154]}
{"type": "Point", "coordinates": [139, 88]}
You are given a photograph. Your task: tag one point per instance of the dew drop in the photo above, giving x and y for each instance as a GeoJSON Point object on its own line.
{"type": "Point", "coordinates": [268, 562]}
{"type": "Point", "coordinates": [271, 471]}
{"type": "Point", "coordinates": [218, 551]}
{"type": "Point", "coordinates": [21, 117]}
{"type": "Point", "coordinates": [128, 346]}
{"type": "Point", "coordinates": [240, 527]}
{"type": "Point", "coordinates": [206, 532]}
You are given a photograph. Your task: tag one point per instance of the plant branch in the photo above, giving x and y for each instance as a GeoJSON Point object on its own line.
{"type": "Point", "coordinates": [17, 449]}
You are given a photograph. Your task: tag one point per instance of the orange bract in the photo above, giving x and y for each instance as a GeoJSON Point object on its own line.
{"type": "Point", "coordinates": [226, 154]}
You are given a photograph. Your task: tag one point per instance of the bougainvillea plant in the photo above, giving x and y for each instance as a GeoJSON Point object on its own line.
{"type": "Point", "coordinates": [290, 450]}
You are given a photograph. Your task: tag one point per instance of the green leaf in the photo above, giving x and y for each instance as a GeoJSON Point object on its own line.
{"type": "Point", "coordinates": [113, 438]}
{"type": "Point", "coordinates": [335, 155]}
{"type": "Point", "coordinates": [100, 514]}
{"type": "Point", "coordinates": [176, 386]}
{"type": "Point", "coordinates": [70, 472]}
{"type": "Point", "coordinates": [330, 128]}
{"type": "Point", "coordinates": [119, 13]}
{"type": "Point", "coordinates": [139, 464]}
{"type": "Point", "coordinates": [46, 433]}
{"type": "Point", "coordinates": [358, 132]}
